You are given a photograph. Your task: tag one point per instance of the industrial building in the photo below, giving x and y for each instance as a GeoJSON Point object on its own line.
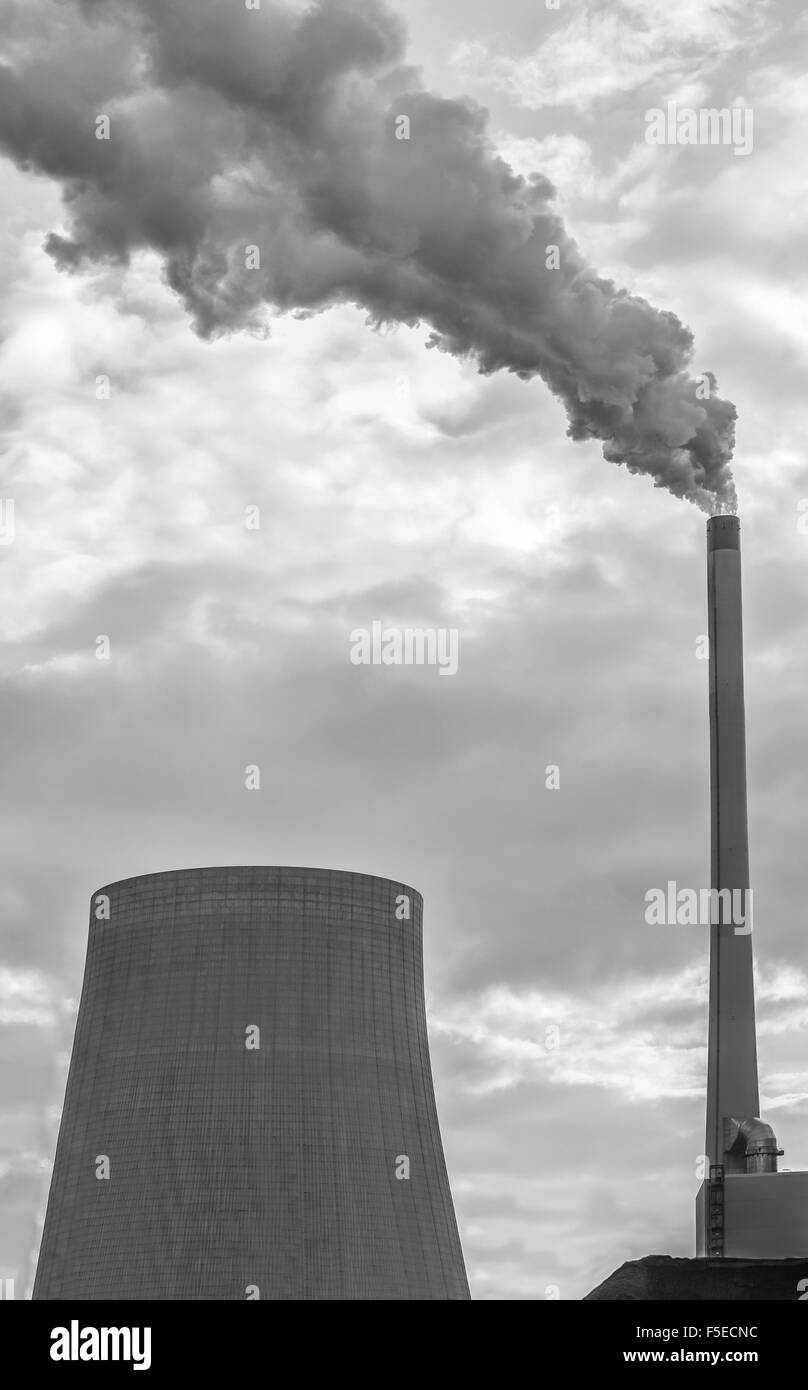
{"type": "Point", "coordinates": [745, 1208]}
{"type": "Point", "coordinates": [249, 1110]}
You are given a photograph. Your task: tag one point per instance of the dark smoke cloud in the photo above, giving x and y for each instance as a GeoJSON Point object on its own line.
{"type": "Point", "coordinates": [277, 128]}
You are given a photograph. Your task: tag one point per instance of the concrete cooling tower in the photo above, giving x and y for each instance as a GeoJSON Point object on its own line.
{"type": "Point", "coordinates": [249, 1109]}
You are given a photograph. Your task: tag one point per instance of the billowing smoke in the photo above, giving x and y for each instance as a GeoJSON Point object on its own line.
{"type": "Point", "coordinates": [280, 128]}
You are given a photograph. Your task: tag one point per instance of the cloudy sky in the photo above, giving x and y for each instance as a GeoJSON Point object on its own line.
{"type": "Point", "coordinates": [397, 483]}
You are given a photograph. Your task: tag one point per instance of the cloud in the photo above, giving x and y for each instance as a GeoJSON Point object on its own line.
{"type": "Point", "coordinates": [396, 482]}
{"type": "Point", "coordinates": [617, 1036]}
{"type": "Point", "coordinates": [641, 1036]}
{"type": "Point", "coordinates": [27, 996]}
{"type": "Point", "coordinates": [259, 155]}
{"type": "Point", "coordinates": [604, 49]}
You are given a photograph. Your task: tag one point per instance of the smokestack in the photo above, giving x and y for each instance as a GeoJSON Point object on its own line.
{"type": "Point", "coordinates": [732, 1077]}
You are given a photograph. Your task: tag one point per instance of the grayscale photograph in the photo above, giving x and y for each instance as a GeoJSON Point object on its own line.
{"type": "Point", "coordinates": [404, 544]}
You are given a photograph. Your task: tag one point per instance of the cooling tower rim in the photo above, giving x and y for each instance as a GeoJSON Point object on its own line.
{"type": "Point", "coordinates": [217, 870]}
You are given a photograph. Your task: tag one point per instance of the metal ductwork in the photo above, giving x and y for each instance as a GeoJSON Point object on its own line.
{"type": "Point", "coordinates": [753, 1146]}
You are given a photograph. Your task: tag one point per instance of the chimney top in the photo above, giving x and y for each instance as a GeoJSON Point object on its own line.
{"type": "Point", "coordinates": [724, 532]}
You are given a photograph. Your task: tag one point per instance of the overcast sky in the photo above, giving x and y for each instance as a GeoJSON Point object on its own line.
{"type": "Point", "coordinates": [397, 484]}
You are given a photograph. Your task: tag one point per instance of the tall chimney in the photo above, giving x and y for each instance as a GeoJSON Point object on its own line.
{"type": "Point", "coordinates": [732, 1076]}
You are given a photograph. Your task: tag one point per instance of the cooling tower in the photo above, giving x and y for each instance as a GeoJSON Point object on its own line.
{"type": "Point", "coordinates": [249, 1109]}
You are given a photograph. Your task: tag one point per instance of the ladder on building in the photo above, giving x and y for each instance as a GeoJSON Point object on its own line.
{"type": "Point", "coordinates": [715, 1212]}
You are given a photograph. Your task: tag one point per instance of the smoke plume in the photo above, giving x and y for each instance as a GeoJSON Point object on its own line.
{"type": "Point", "coordinates": [280, 128]}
